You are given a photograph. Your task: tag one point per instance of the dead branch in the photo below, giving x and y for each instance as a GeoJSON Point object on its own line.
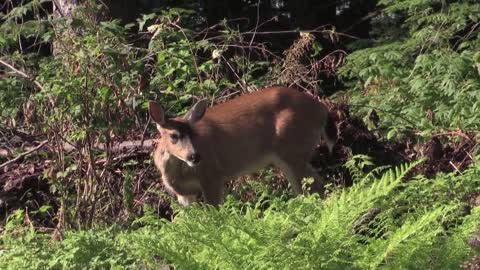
{"type": "Point", "coordinates": [21, 74]}
{"type": "Point", "coordinates": [146, 145]}
{"type": "Point", "coordinates": [24, 154]}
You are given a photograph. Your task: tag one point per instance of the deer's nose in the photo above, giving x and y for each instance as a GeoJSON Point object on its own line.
{"type": "Point", "coordinates": [194, 158]}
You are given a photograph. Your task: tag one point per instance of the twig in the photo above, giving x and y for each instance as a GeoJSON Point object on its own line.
{"type": "Point", "coordinates": [473, 29]}
{"type": "Point", "coordinates": [257, 25]}
{"type": "Point", "coordinates": [295, 31]}
{"type": "Point", "coordinates": [242, 82]}
{"type": "Point", "coordinates": [254, 31]}
{"type": "Point", "coordinates": [453, 133]}
{"type": "Point", "coordinates": [21, 73]}
{"type": "Point", "coordinates": [58, 8]}
{"type": "Point", "coordinates": [146, 145]}
{"type": "Point", "coordinates": [228, 95]}
{"type": "Point", "coordinates": [195, 65]}
{"type": "Point", "coordinates": [469, 154]}
{"type": "Point", "coordinates": [24, 154]}
{"type": "Point", "coordinates": [455, 167]}
{"type": "Point", "coordinates": [367, 17]}
{"type": "Point", "coordinates": [264, 51]}
{"type": "Point", "coordinates": [145, 131]}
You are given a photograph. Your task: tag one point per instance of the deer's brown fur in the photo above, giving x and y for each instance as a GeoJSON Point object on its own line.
{"type": "Point", "coordinates": [199, 152]}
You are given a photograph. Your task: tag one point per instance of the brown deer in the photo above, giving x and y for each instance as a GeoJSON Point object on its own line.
{"type": "Point", "coordinates": [197, 153]}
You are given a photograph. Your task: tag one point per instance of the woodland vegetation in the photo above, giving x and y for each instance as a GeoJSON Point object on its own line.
{"type": "Point", "coordinates": [78, 188]}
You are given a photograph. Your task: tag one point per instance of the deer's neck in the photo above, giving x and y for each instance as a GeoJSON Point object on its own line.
{"type": "Point", "coordinates": [175, 167]}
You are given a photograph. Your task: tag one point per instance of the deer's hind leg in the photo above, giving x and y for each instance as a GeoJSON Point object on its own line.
{"type": "Point", "coordinates": [318, 185]}
{"type": "Point", "coordinates": [296, 168]}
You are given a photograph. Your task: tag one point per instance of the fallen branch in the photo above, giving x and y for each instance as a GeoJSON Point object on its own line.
{"type": "Point", "coordinates": [146, 145]}
{"type": "Point", "coordinates": [24, 154]}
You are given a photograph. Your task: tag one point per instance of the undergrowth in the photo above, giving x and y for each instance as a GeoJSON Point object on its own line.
{"type": "Point", "coordinates": [381, 222]}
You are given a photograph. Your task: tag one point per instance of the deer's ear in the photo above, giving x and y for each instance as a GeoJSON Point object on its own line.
{"type": "Point", "coordinates": [197, 111]}
{"type": "Point", "coordinates": [157, 113]}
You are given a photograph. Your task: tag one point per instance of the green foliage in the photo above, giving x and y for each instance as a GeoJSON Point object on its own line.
{"type": "Point", "coordinates": [426, 77]}
{"type": "Point", "coordinates": [79, 250]}
{"type": "Point", "coordinates": [95, 86]}
{"type": "Point", "coordinates": [100, 72]}
{"type": "Point", "coordinates": [252, 189]}
{"type": "Point", "coordinates": [179, 73]}
{"type": "Point", "coordinates": [16, 89]}
{"type": "Point", "coordinates": [96, 65]}
{"type": "Point", "coordinates": [186, 67]}
{"type": "Point", "coordinates": [418, 225]}
{"type": "Point", "coordinates": [421, 73]}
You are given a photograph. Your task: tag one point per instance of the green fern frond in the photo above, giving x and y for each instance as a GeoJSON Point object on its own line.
{"type": "Point", "coordinates": [402, 244]}
{"type": "Point", "coordinates": [372, 225]}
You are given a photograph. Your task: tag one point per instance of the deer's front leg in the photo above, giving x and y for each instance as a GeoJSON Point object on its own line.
{"type": "Point", "coordinates": [187, 200]}
{"type": "Point", "coordinates": [213, 193]}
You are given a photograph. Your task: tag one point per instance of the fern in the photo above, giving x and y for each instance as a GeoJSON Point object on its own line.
{"type": "Point", "coordinates": [402, 244]}
{"type": "Point", "coordinates": [378, 223]}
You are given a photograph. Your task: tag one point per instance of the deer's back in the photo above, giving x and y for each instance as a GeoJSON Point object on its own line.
{"type": "Point", "coordinates": [244, 134]}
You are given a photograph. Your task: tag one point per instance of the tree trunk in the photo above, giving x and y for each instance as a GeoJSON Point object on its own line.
{"type": "Point", "coordinates": [64, 8]}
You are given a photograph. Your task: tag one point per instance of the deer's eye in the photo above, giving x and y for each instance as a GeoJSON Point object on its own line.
{"type": "Point", "coordinates": [174, 137]}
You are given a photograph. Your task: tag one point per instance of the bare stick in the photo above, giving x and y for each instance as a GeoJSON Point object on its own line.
{"type": "Point", "coordinates": [145, 131]}
{"type": "Point", "coordinates": [24, 154]}
{"type": "Point", "coordinates": [146, 145]}
{"type": "Point", "coordinates": [455, 167]}
{"type": "Point", "coordinates": [21, 73]}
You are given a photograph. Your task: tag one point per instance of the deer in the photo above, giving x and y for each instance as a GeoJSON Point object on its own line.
{"type": "Point", "coordinates": [197, 153]}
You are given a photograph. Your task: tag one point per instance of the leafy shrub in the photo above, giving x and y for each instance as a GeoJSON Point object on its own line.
{"type": "Point", "coordinates": [425, 77]}
{"type": "Point", "coordinates": [93, 90]}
